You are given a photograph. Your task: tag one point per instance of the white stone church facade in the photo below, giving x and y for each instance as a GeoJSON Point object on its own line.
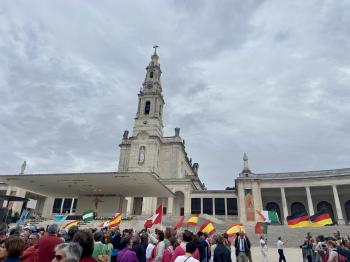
{"type": "Point", "coordinates": [163, 159]}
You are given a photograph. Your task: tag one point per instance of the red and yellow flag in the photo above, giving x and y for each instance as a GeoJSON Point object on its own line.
{"type": "Point", "coordinates": [114, 222]}
{"type": "Point", "coordinates": [193, 220]}
{"type": "Point", "coordinates": [234, 229]}
{"type": "Point", "coordinates": [71, 224]}
{"type": "Point", "coordinates": [180, 223]}
{"type": "Point", "coordinates": [207, 227]}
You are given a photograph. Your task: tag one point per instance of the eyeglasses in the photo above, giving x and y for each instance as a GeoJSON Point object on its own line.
{"type": "Point", "coordinates": [58, 257]}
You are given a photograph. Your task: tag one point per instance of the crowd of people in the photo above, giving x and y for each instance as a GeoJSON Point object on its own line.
{"type": "Point", "coordinates": [324, 249]}
{"type": "Point", "coordinates": [31, 244]}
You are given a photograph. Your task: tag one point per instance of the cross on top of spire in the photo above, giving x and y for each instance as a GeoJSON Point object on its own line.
{"type": "Point", "coordinates": [155, 49]}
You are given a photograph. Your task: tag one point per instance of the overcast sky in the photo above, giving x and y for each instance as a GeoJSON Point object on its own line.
{"type": "Point", "coordinates": [270, 78]}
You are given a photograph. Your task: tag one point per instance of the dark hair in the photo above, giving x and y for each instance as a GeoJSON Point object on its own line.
{"type": "Point", "coordinates": [124, 242]}
{"type": "Point", "coordinates": [98, 236]}
{"type": "Point", "coordinates": [187, 236]}
{"type": "Point", "coordinates": [72, 231]}
{"type": "Point", "coordinates": [86, 241]}
{"type": "Point", "coordinates": [225, 235]}
{"type": "Point", "coordinates": [160, 235]}
{"type": "Point", "coordinates": [14, 246]}
{"type": "Point", "coordinates": [191, 247]}
{"type": "Point", "coordinates": [200, 233]}
{"type": "Point", "coordinates": [173, 242]}
{"type": "Point", "coordinates": [168, 233]}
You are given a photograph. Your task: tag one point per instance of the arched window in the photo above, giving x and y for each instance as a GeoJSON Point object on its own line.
{"type": "Point", "coordinates": [272, 206]}
{"type": "Point", "coordinates": [297, 208]}
{"type": "Point", "coordinates": [151, 75]}
{"type": "Point", "coordinates": [324, 205]}
{"type": "Point", "coordinates": [147, 107]}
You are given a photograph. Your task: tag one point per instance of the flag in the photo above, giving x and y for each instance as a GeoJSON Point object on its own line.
{"type": "Point", "coordinates": [234, 229]}
{"type": "Point", "coordinates": [321, 218]}
{"type": "Point", "coordinates": [261, 228]}
{"type": "Point", "coordinates": [192, 221]}
{"type": "Point", "coordinates": [71, 224]}
{"type": "Point", "coordinates": [104, 224]}
{"type": "Point", "coordinates": [60, 218]}
{"type": "Point", "coordinates": [156, 218]}
{"type": "Point", "coordinates": [23, 217]}
{"type": "Point", "coordinates": [88, 215]}
{"type": "Point", "coordinates": [180, 223]}
{"type": "Point", "coordinates": [207, 227]}
{"type": "Point", "coordinates": [269, 216]}
{"type": "Point", "coordinates": [299, 220]}
{"type": "Point", "coordinates": [115, 221]}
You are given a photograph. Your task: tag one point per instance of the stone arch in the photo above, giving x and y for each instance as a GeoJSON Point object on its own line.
{"type": "Point", "coordinates": [272, 206]}
{"type": "Point", "coordinates": [297, 207]}
{"type": "Point", "coordinates": [147, 107]}
{"type": "Point", "coordinates": [347, 210]}
{"type": "Point", "coordinates": [326, 206]}
{"type": "Point", "coordinates": [179, 203]}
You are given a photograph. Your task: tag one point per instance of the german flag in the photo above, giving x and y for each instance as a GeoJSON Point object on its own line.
{"type": "Point", "coordinates": [207, 227]}
{"type": "Point", "coordinates": [234, 229]}
{"type": "Point", "coordinates": [321, 219]}
{"type": "Point", "coordinates": [299, 220]}
{"type": "Point", "coordinates": [193, 220]}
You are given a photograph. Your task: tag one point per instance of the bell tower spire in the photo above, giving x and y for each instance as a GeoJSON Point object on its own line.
{"type": "Point", "coordinates": [149, 116]}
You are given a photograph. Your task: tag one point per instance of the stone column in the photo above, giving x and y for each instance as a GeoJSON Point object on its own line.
{"type": "Point", "coordinates": [213, 200]}
{"type": "Point", "coordinates": [170, 210]}
{"type": "Point", "coordinates": [130, 206]}
{"type": "Point", "coordinates": [71, 206]}
{"type": "Point", "coordinates": [201, 205]}
{"type": "Point", "coordinates": [241, 205]}
{"type": "Point", "coordinates": [257, 196]}
{"type": "Point", "coordinates": [225, 199]}
{"type": "Point", "coordinates": [47, 209]}
{"type": "Point", "coordinates": [338, 206]}
{"type": "Point", "coordinates": [284, 205]}
{"type": "Point", "coordinates": [309, 201]}
{"type": "Point", "coordinates": [187, 203]}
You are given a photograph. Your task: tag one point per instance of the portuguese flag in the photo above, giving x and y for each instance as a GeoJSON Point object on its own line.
{"type": "Point", "coordinates": [299, 220]}
{"type": "Point", "coordinates": [321, 218]}
{"type": "Point", "coordinates": [261, 228]}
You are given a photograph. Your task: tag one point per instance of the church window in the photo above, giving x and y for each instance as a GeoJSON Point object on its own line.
{"type": "Point", "coordinates": [147, 107]}
{"type": "Point", "coordinates": [56, 209]}
{"type": "Point", "coordinates": [208, 206]}
{"type": "Point", "coordinates": [219, 206]}
{"type": "Point", "coordinates": [195, 205]}
{"type": "Point", "coordinates": [151, 75]}
{"type": "Point", "coordinates": [232, 209]}
{"type": "Point", "coordinates": [67, 203]}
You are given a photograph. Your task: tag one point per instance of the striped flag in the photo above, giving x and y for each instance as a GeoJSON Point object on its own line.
{"type": "Point", "coordinates": [321, 218]}
{"type": "Point", "coordinates": [180, 223]}
{"type": "Point", "coordinates": [234, 229]}
{"type": "Point", "coordinates": [269, 216]}
{"type": "Point", "coordinates": [207, 227]}
{"type": "Point", "coordinates": [299, 220]}
{"type": "Point", "coordinates": [192, 221]}
{"type": "Point", "coordinates": [71, 224]}
{"type": "Point", "coordinates": [115, 221]}
{"type": "Point", "coordinates": [88, 215]}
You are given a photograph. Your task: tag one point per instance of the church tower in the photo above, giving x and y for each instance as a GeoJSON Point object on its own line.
{"type": "Point", "coordinates": [149, 116]}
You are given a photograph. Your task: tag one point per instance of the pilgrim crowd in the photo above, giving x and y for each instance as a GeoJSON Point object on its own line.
{"type": "Point", "coordinates": [31, 244]}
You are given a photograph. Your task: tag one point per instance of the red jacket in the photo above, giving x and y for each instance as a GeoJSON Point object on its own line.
{"type": "Point", "coordinates": [29, 254]}
{"type": "Point", "coordinates": [46, 247]}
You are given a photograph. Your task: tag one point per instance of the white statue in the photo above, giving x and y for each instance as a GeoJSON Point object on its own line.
{"type": "Point", "coordinates": [23, 167]}
{"type": "Point", "coordinates": [142, 155]}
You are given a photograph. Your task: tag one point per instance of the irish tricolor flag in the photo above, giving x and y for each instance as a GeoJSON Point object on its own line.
{"type": "Point", "coordinates": [269, 216]}
{"type": "Point", "coordinates": [88, 215]}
